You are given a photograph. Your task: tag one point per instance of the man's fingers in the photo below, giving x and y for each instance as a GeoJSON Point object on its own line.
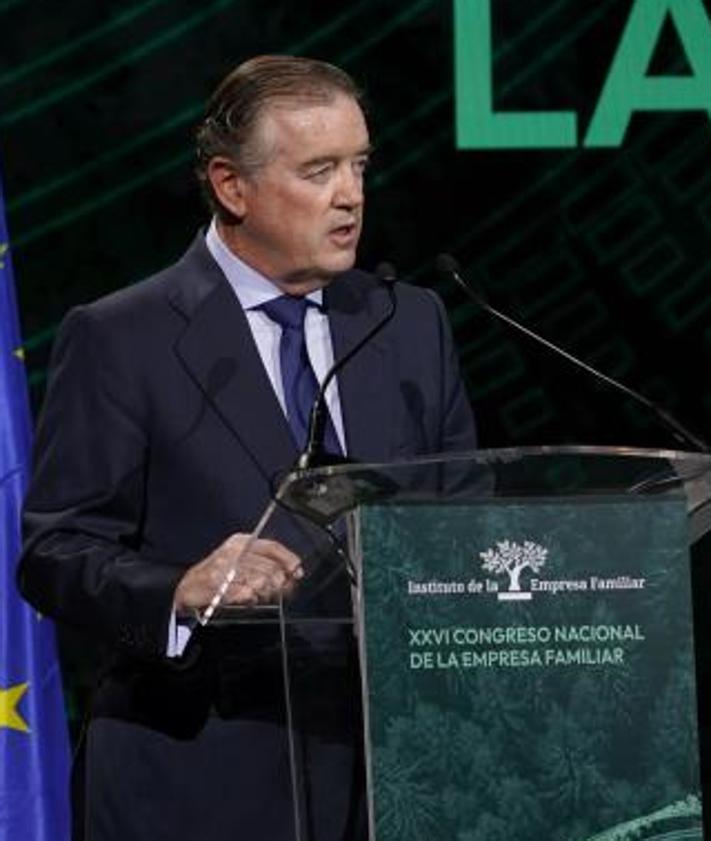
{"type": "Point", "coordinates": [256, 592]}
{"type": "Point", "coordinates": [265, 572]}
{"type": "Point", "coordinates": [277, 552]}
{"type": "Point", "coordinates": [241, 594]}
{"type": "Point", "coordinates": [267, 583]}
{"type": "Point", "coordinates": [272, 550]}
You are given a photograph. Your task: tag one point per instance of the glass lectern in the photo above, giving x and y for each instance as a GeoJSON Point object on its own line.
{"type": "Point", "coordinates": [532, 631]}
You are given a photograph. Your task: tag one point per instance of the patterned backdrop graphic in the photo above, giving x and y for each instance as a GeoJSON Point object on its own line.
{"type": "Point", "coordinates": [604, 251]}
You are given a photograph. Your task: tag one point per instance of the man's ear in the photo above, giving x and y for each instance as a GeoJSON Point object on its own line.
{"type": "Point", "coordinates": [228, 186]}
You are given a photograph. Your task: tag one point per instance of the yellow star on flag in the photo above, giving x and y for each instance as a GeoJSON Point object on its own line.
{"type": "Point", "coordinates": [9, 716]}
{"type": "Point", "coordinates": [3, 249]}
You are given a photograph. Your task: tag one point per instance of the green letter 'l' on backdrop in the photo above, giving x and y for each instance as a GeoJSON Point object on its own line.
{"type": "Point", "coordinates": [478, 126]}
{"type": "Point", "coordinates": [530, 671]}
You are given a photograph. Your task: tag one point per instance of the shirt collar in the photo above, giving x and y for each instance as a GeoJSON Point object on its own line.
{"type": "Point", "coordinates": [251, 288]}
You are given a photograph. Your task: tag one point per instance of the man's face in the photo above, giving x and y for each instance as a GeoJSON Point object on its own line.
{"type": "Point", "coordinates": [302, 209]}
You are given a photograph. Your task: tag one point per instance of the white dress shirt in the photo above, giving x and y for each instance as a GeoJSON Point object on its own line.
{"type": "Point", "coordinates": [252, 290]}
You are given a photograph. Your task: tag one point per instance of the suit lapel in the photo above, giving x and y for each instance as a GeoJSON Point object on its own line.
{"type": "Point", "coordinates": [355, 305]}
{"type": "Point", "coordinates": [219, 353]}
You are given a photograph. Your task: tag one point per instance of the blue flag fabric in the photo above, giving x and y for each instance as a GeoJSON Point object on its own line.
{"type": "Point", "coordinates": [34, 748]}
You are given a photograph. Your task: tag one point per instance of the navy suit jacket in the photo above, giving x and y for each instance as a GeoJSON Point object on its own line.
{"type": "Point", "coordinates": [160, 436]}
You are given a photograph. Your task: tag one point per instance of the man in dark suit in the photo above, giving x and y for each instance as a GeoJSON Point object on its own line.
{"type": "Point", "coordinates": [172, 406]}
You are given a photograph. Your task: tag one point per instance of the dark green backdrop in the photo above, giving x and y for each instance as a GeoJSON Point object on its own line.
{"type": "Point", "coordinates": [604, 252]}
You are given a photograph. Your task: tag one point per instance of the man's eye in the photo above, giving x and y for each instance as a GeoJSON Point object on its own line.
{"type": "Point", "coordinates": [319, 175]}
{"type": "Point", "coordinates": [362, 165]}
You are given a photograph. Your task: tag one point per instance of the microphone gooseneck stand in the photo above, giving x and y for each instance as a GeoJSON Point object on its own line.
{"type": "Point", "coordinates": [315, 455]}
{"type": "Point", "coordinates": [448, 267]}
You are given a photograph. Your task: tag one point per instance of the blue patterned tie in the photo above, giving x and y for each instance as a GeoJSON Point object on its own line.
{"type": "Point", "coordinates": [297, 376]}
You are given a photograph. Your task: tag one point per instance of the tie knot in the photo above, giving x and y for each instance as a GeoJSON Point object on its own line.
{"type": "Point", "coordinates": [287, 310]}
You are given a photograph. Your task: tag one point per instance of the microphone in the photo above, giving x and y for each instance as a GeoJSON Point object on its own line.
{"type": "Point", "coordinates": [447, 265]}
{"type": "Point", "coordinates": [314, 454]}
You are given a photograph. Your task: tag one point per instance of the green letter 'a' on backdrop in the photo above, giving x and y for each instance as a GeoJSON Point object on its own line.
{"type": "Point", "coordinates": [628, 87]}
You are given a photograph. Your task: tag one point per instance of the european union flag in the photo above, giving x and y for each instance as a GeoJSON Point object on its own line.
{"type": "Point", "coordinates": [34, 750]}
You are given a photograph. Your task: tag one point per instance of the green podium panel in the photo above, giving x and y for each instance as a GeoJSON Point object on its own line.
{"type": "Point", "coordinates": [529, 670]}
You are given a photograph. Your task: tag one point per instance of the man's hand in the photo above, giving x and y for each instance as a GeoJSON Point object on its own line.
{"type": "Point", "coordinates": [268, 570]}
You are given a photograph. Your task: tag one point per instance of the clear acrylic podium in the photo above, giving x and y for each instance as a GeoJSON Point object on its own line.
{"type": "Point", "coordinates": [532, 630]}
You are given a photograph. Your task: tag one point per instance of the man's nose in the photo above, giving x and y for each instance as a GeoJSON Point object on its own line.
{"type": "Point", "coordinates": [349, 188]}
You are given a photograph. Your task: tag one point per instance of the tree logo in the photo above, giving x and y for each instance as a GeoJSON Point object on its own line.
{"type": "Point", "coordinates": [512, 558]}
